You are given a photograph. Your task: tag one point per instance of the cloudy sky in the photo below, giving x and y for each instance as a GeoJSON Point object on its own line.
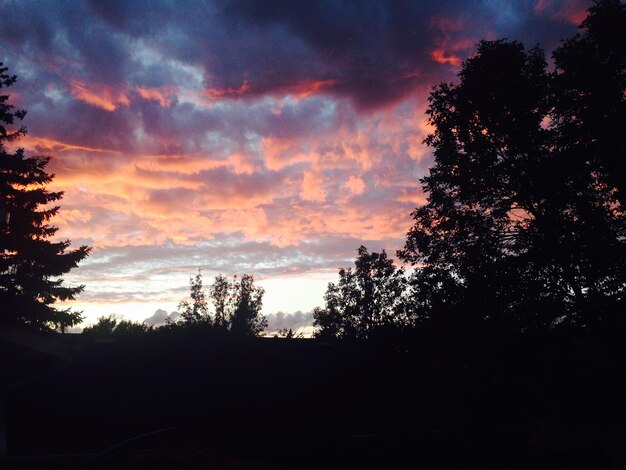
{"type": "Point", "coordinates": [240, 136]}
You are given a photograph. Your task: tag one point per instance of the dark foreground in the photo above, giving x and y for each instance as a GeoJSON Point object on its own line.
{"type": "Point", "coordinates": [194, 402]}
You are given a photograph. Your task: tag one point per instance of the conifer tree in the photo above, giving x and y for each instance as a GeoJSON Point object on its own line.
{"type": "Point", "coordinates": [31, 259]}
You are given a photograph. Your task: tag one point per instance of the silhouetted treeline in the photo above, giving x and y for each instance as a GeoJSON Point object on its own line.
{"type": "Point", "coordinates": [455, 399]}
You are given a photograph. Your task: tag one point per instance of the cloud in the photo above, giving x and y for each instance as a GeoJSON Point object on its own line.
{"type": "Point", "coordinates": [297, 322]}
{"type": "Point", "coordinates": [101, 96]}
{"type": "Point", "coordinates": [161, 96]}
{"type": "Point", "coordinates": [313, 187]}
{"type": "Point", "coordinates": [356, 185]}
{"type": "Point", "coordinates": [442, 57]}
{"type": "Point", "coordinates": [264, 137]}
{"type": "Point", "coordinates": [160, 317]}
{"type": "Point", "coordinates": [573, 11]}
{"type": "Point", "coordinates": [374, 54]}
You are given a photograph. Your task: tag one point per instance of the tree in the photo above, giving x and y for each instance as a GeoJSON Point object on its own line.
{"type": "Point", "coordinates": [589, 113]}
{"type": "Point", "coordinates": [195, 312]}
{"type": "Point", "coordinates": [31, 263]}
{"type": "Point", "coordinates": [128, 327]}
{"type": "Point", "coordinates": [237, 306]}
{"type": "Point", "coordinates": [103, 327]}
{"type": "Point", "coordinates": [247, 301]}
{"type": "Point", "coordinates": [523, 224]}
{"type": "Point", "coordinates": [367, 301]}
{"type": "Point", "coordinates": [591, 80]}
{"type": "Point", "coordinates": [220, 296]}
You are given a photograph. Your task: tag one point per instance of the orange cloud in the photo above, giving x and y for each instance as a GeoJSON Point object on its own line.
{"type": "Point", "coordinates": [313, 187]}
{"type": "Point", "coordinates": [160, 95]}
{"type": "Point", "coordinates": [280, 153]}
{"type": "Point", "coordinates": [415, 196]}
{"type": "Point", "coordinates": [41, 144]}
{"type": "Point", "coordinates": [449, 40]}
{"type": "Point", "coordinates": [356, 185]}
{"type": "Point", "coordinates": [229, 92]}
{"type": "Point", "coordinates": [102, 96]}
{"type": "Point", "coordinates": [306, 88]}
{"type": "Point", "coordinates": [181, 164]}
{"type": "Point", "coordinates": [440, 56]}
{"type": "Point", "coordinates": [73, 216]}
{"type": "Point", "coordinates": [282, 191]}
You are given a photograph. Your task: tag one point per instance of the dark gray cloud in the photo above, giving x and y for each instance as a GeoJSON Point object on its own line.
{"type": "Point", "coordinates": [374, 52]}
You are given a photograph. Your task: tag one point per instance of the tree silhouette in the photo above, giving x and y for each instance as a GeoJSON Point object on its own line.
{"type": "Point", "coordinates": [195, 312]}
{"type": "Point", "coordinates": [111, 325]}
{"type": "Point", "coordinates": [220, 296]}
{"type": "Point", "coordinates": [103, 327]}
{"type": "Point", "coordinates": [128, 327]}
{"type": "Point", "coordinates": [367, 301]}
{"type": "Point", "coordinates": [590, 105]}
{"type": "Point", "coordinates": [523, 223]}
{"type": "Point", "coordinates": [237, 306]}
{"type": "Point", "coordinates": [247, 301]}
{"type": "Point", "coordinates": [31, 263]}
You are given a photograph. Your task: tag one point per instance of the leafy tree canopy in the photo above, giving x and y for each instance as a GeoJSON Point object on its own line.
{"type": "Point", "coordinates": [525, 220]}
{"type": "Point", "coordinates": [247, 301]}
{"type": "Point", "coordinates": [367, 301]}
{"type": "Point", "coordinates": [195, 312]}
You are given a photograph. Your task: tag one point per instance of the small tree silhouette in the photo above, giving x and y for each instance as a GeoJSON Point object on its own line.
{"type": "Point", "coordinates": [220, 296]}
{"type": "Point", "coordinates": [367, 301]}
{"type": "Point", "coordinates": [246, 318]}
{"type": "Point", "coordinates": [195, 312]}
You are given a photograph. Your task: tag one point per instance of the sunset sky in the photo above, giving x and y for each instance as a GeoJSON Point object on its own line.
{"type": "Point", "coordinates": [262, 137]}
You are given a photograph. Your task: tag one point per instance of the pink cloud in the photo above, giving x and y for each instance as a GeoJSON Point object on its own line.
{"type": "Point", "coordinates": [280, 153]}
{"type": "Point", "coordinates": [441, 56]}
{"type": "Point", "coordinates": [44, 145]}
{"type": "Point", "coordinates": [305, 88]}
{"type": "Point", "coordinates": [356, 185]}
{"type": "Point", "coordinates": [228, 92]}
{"type": "Point", "coordinates": [160, 95]}
{"type": "Point", "coordinates": [573, 11]}
{"type": "Point", "coordinates": [102, 96]}
{"type": "Point", "coordinates": [452, 40]}
{"type": "Point", "coordinates": [313, 187]}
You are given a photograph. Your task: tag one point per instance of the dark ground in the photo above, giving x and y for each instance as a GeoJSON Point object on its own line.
{"type": "Point", "coordinates": [198, 402]}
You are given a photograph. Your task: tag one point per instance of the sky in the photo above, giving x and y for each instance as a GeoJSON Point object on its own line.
{"type": "Point", "coordinates": [239, 136]}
